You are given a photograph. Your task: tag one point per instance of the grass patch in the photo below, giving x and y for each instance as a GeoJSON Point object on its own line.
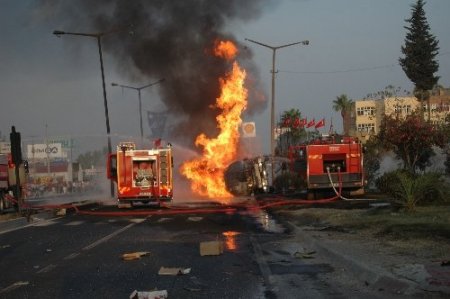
{"type": "Point", "coordinates": [427, 222]}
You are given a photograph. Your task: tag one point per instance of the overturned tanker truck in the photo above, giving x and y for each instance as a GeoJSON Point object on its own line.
{"type": "Point", "coordinates": [248, 176]}
{"type": "Point", "coordinates": [326, 165]}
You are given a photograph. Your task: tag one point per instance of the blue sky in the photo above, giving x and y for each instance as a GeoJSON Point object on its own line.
{"type": "Point", "coordinates": [354, 50]}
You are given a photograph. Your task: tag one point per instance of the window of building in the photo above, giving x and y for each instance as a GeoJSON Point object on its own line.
{"type": "Point", "coordinates": [365, 111]}
{"type": "Point", "coordinates": [403, 109]}
{"type": "Point", "coordinates": [370, 127]}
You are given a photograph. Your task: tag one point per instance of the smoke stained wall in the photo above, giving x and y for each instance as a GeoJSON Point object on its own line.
{"type": "Point", "coordinates": [171, 40]}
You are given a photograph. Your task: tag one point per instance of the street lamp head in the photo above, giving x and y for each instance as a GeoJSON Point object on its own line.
{"type": "Point", "coordinates": [114, 84]}
{"type": "Point", "coordinates": [58, 32]}
{"type": "Point", "coordinates": [305, 42]}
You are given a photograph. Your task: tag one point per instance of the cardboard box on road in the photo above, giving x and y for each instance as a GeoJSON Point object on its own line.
{"type": "Point", "coordinates": [211, 248]}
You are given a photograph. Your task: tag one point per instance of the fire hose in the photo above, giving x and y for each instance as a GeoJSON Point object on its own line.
{"type": "Point", "coordinates": [175, 210]}
{"type": "Point", "coordinates": [339, 194]}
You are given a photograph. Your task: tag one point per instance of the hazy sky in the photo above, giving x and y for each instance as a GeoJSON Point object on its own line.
{"type": "Point", "coordinates": [354, 49]}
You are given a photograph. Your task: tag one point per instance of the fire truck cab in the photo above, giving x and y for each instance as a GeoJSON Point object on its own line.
{"type": "Point", "coordinates": [329, 162]}
{"type": "Point", "coordinates": [141, 175]}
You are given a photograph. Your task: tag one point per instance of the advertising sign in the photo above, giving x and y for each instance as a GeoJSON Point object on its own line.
{"type": "Point", "coordinates": [5, 147]}
{"type": "Point", "coordinates": [42, 151]}
{"type": "Point", "coordinates": [248, 129]}
{"type": "Point", "coordinates": [66, 143]}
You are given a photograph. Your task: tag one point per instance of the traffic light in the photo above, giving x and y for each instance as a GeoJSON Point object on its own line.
{"type": "Point", "coordinates": [16, 150]}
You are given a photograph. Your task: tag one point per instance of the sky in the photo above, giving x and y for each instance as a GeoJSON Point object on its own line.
{"type": "Point", "coordinates": [51, 86]}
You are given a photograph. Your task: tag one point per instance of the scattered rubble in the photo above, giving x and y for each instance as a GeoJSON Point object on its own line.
{"type": "Point", "coordinates": [134, 255]}
{"type": "Point", "coordinates": [174, 271]}
{"type": "Point", "coordinates": [211, 248]}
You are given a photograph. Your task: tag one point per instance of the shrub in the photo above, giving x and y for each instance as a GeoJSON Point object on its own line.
{"type": "Point", "coordinates": [409, 189]}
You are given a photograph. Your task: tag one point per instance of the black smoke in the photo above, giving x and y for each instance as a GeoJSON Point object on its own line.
{"type": "Point", "coordinates": [169, 39]}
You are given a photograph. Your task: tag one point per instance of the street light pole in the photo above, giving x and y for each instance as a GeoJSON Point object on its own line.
{"type": "Point", "coordinates": [140, 101]}
{"type": "Point", "coordinates": [98, 36]}
{"type": "Point", "coordinates": [272, 106]}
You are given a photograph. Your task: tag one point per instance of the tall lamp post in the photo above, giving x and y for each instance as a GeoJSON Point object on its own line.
{"type": "Point", "coordinates": [272, 108]}
{"type": "Point", "coordinates": [140, 101]}
{"type": "Point", "coordinates": [98, 36]}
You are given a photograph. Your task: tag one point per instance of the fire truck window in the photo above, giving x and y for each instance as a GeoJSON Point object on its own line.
{"type": "Point", "coordinates": [143, 173]}
{"type": "Point", "coordinates": [113, 167]}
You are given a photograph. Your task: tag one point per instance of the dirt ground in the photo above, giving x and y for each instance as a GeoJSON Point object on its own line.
{"type": "Point", "coordinates": [424, 234]}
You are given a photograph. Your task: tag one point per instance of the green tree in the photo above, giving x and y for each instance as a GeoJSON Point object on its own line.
{"type": "Point", "coordinates": [291, 122]}
{"type": "Point", "coordinates": [420, 49]}
{"type": "Point", "coordinates": [372, 156]}
{"type": "Point", "coordinates": [411, 139]}
{"type": "Point", "coordinates": [93, 158]}
{"type": "Point", "coordinates": [344, 105]}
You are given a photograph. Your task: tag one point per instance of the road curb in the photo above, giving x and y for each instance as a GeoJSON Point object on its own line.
{"type": "Point", "coordinates": [375, 277]}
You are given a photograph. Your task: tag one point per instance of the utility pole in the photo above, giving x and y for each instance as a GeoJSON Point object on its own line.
{"type": "Point", "coordinates": [272, 105]}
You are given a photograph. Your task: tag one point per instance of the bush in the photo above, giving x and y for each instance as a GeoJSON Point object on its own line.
{"type": "Point", "coordinates": [409, 189]}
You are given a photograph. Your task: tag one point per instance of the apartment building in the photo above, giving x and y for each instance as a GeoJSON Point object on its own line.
{"type": "Point", "coordinates": [368, 114]}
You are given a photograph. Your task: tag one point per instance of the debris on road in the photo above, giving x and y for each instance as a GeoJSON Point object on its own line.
{"type": "Point", "coordinates": [195, 219]}
{"type": "Point", "coordinates": [164, 219]}
{"type": "Point", "coordinates": [174, 271]}
{"type": "Point", "coordinates": [134, 255]}
{"type": "Point", "coordinates": [149, 294]}
{"type": "Point", "coordinates": [302, 253]}
{"type": "Point", "coordinates": [60, 212]}
{"type": "Point", "coordinates": [211, 248]}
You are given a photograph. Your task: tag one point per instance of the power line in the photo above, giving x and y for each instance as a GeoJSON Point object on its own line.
{"type": "Point", "coordinates": [351, 70]}
{"type": "Point", "coordinates": [341, 71]}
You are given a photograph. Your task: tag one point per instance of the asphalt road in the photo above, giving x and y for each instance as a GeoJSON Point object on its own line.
{"type": "Point", "coordinates": [78, 256]}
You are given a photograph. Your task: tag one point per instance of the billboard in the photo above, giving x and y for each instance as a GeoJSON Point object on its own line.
{"type": "Point", "coordinates": [5, 147]}
{"type": "Point", "coordinates": [66, 143]}
{"type": "Point", "coordinates": [43, 151]}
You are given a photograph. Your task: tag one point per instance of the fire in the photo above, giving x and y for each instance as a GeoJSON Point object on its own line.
{"type": "Point", "coordinates": [207, 172]}
{"type": "Point", "coordinates": [225, 49]}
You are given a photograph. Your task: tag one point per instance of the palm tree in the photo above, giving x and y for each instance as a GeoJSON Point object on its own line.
{"type": "Point", "coordinates": [294, 134]}
{"type": "Point", "coordinates": [344, 105]}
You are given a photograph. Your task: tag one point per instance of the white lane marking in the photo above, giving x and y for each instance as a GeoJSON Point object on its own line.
{"type": "Point", "coordinates": [137, 220]}
{"type": "Point", "coordinates": [44, 223]}
{"type": "Point", "coordinates": [106, 238]}
{"type": "Point", "coordinates": [74, 223]}
{"type": "Point", "coordinates": [14, 286]}
{"type": "Point", "coordinates": [47, 269]}
{"type": "Point", "coordinates": [72, 256]}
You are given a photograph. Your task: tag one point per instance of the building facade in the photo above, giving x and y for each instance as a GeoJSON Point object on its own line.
{"type": "Point", "coordinates": [369, 113]}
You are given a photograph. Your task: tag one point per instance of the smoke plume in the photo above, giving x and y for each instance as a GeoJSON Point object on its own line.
{"type": "Point", "coordinates": [170, 39]}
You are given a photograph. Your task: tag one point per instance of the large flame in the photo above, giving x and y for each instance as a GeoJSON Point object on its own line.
{"type": "Point", "coordinates": [207, 172]}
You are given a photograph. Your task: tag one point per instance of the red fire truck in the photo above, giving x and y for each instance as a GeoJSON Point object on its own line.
{"type": "Point", "coordinates": [141, 175]}
{"type": "Point", "coordinates": [8, 181]}
{"type": "Point", "coordinates": [328, 162]}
